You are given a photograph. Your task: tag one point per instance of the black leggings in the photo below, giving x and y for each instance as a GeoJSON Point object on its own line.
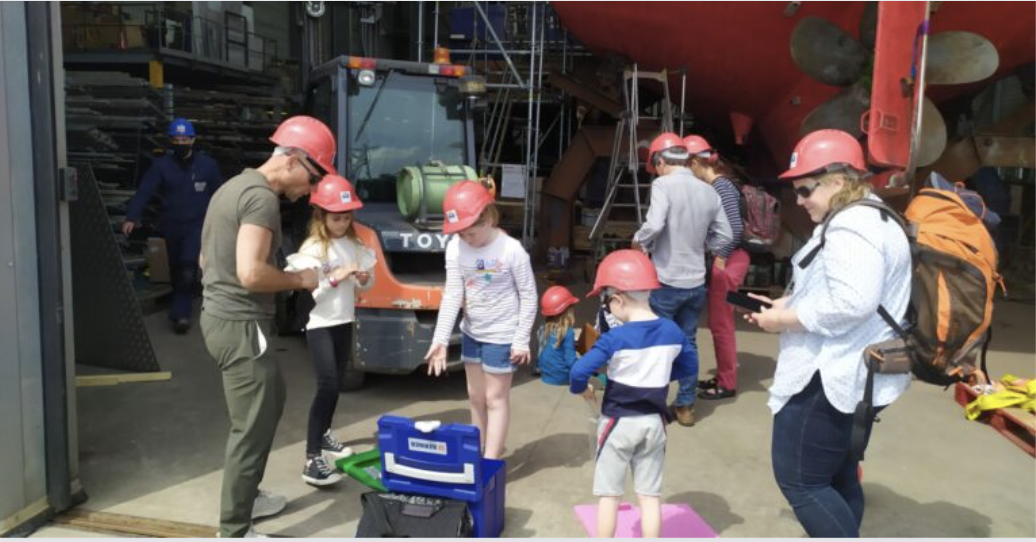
{"type": "Point", "coordinates": [330, 348]}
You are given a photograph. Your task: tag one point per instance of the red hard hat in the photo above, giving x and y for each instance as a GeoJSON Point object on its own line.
{"type": "Point", "coordinates": [824, 148]}
{"type": "Point", "coordinates": [697, 145]}
{"type": "Point", "coordinates": [556, 300]}
{"type": "Point", "coordinates": [626, 270]}
{"type": "Point", "coordinates": [463, 204]}
{"type": "Point", "coordinates": [335, 194]}
{"type": "Point", "coordinates": [665, 141]}
{"type": "Point", "coordinates": [310, 135]}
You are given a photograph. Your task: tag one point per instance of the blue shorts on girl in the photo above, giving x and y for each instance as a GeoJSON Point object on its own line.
{"type": "Point", "coordinates": [494, 358]}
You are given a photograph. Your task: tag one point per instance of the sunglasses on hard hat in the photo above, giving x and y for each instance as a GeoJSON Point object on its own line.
{"type": "Point", "coordinates": [805, 191]}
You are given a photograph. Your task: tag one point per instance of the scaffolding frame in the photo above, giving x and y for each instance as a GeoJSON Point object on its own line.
{"type": "Point", "coordinates": [524, 51]}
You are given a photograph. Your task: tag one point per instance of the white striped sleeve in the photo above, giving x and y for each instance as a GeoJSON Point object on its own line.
{"type": "Point", "coordinates": [525, 282]}
{"type": "Point", "coordinates": [452, 297]}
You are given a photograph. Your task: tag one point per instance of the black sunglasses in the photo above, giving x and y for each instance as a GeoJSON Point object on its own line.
{"type": "Point", "coordinates": [314, 178]}
{"type": "Point", "coordinates": [805, 191]}
{"type": "Point", "coordinates": [607, 301]}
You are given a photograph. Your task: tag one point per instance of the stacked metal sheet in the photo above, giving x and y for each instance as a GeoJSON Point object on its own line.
{"type": "Point", "coordinates": [234, 123]}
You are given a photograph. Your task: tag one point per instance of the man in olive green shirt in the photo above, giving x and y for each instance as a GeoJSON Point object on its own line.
{"type": "Point", "coordinates": [240, 237]}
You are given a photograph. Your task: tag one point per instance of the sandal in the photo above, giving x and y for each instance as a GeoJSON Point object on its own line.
{"type": "Point", "coordinates": [708, 384]}
{"type": "Point", "coordinates": [716, 393]}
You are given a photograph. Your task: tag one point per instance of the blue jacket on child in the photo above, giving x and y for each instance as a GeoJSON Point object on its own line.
{"type": "Point", "coordinates": [555, 361]}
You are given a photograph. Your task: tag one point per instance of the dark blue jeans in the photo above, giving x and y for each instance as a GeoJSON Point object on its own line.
{"type": "Point", "coordinates": [813, 465]}
{"type": "Point", "coordinates": [683, 306]}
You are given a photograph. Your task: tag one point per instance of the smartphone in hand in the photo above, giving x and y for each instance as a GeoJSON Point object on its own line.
{"type": "Point", "coordinates": [751, 304]}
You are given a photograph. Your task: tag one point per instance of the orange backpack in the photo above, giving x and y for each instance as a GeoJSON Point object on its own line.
{"type": "Point", "coordinates": [951, 301]}
{"type": "Point", "coordinates": [955, 277]}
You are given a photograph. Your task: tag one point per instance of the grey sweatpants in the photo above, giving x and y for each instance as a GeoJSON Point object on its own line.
{"type": "Point", "coordinates": [254, 391]}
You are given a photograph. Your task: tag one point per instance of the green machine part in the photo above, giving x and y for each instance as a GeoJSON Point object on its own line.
{"type": "Point", "coordinates": [429, 183]}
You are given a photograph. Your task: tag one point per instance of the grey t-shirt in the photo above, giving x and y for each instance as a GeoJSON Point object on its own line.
{"type": "Point", "coordinates": [245, 199]}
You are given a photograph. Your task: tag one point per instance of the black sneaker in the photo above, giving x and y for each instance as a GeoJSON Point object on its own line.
{"type": "Point", "coordinates": [181, 326]}
{"type": "Point", "coordinates": [319, 473]}
{"type": "Point", "coordinates": [334, 449]}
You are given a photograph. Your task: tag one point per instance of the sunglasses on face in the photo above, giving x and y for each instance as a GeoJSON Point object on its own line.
{"type": "Point", "coordinates": [806, 190]}
{"type": "Point", "coordinates": [314, 178]}
{"type": "Point", "coordinates": [607, 301]}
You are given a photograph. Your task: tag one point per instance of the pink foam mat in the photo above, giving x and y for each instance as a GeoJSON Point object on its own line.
{"type": "Point", "coordinates": [678, 521]}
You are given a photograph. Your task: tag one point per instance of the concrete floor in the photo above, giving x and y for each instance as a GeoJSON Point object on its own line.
{"type": "Point", "coordinates": [156, 449]}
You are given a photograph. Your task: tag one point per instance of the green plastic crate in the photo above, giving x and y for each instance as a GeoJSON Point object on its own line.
{"type": "Point", "coordinates": [365, 468]}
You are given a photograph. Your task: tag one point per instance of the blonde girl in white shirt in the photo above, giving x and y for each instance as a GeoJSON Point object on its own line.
{"type": "Point", "coordinates": [345, 267]}
{"type": "Point", "coordinates": [489, 275]}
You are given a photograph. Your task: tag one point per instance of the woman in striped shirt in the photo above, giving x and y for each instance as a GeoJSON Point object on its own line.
{"type": "Point", "coordinates": [729, 267]}
{"type": "Point", "coordinates": [489, 275]}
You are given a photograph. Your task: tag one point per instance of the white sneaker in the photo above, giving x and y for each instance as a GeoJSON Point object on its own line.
{"type": "Point", "coordinates": [267, 504]}
{"type": "Point", "coordinates": [251, 533]}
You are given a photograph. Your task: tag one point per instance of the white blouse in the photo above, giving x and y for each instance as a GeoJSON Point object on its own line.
{"type": "Point", "coordinates": [333, 305]}
{"type": "Point", "coordinates": [865, 262]}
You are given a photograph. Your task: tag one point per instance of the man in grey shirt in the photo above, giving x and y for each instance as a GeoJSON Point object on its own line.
{"type": "Point", "coordinates": [239, 241]}
{"type": "Point", "coordinates": [685, 217]}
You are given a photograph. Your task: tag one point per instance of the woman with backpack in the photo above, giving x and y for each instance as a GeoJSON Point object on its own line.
{"type": "Point", "coordinates": [857, 261]}
{"type": "Point", "coordinates": [729, 267]}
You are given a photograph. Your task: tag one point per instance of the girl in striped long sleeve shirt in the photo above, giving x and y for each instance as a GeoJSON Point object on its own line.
{"type": "Point", "coordinates": [729, 267]}
{"type": "Point", "coordinates": [489, 275]}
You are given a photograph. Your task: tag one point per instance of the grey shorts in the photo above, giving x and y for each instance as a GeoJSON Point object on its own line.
{"type": "Point", "coordinates": [636, 442]}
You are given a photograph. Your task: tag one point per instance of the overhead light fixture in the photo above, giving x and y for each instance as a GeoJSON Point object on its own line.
{"type": "Point", "coordinates": [365, 78]}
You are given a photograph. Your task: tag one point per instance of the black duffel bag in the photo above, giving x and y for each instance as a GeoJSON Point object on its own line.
{"type": "Point", "coordinates": [394, 515]}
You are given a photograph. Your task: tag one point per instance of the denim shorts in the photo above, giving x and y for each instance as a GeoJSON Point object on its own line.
{"type": "Point", "coordinates": [495, 358]}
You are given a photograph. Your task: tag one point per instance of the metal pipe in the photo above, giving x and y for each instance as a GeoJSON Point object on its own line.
{"type": "Point", "coordinates": [919, 92]}
{"type": "Point", "coordinates": [420, 30]}
{"type": "Point", "coordinates": [518, 52]}
{"type": "Point", "coordinates": [529, 175]}
{"type": "Point", "coordinates": [435, 38]}
{"type": "Point", "coordinates": [534, 200]}
{"type": "Point", "coordinates": [492, 32]}
{"type": "Point", "coordinates": [683, 96]}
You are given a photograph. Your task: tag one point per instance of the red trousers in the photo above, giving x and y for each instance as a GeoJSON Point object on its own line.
{"type": "Point", "coordinates": [721, 316]}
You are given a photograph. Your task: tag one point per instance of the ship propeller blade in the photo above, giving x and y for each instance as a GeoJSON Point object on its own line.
{"type": "Point", "coordinates": [842, 112]}
{"type": "Point", "coordinates": [827, 53]}
{"type": "Point", "coordinates": [869, 25]}
{"type": "Point", "coordinates": [956, 58]}
{"type": "Point", "coordinates": [931, 142]}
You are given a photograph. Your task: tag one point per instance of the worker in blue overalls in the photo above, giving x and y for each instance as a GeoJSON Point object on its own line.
{"type": "Point", "coordinates": [185, 180]}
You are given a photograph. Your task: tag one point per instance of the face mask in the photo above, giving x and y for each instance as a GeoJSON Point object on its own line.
{"type": "Point", "coordinates": [181, 151]}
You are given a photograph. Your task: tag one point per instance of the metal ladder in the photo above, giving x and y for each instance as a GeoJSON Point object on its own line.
{"type": "Point", "coordinates": [628, 161]}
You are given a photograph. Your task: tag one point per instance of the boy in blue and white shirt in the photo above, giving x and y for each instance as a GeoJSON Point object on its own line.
{"type": "Point", "coordinates": [642, 357]}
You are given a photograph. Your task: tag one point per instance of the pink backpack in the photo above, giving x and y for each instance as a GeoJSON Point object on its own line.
{"type": "Point", "coordinates": [761, 214]}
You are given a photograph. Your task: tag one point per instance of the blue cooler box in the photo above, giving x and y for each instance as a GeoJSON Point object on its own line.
{"type": "Point", "coordinates": [445, 462]}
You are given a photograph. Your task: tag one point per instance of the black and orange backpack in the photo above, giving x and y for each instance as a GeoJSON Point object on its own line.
{"type": "Point", "coordinates": [951, 300]}
{"type": "Point", "coordinates": [954, 279]}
